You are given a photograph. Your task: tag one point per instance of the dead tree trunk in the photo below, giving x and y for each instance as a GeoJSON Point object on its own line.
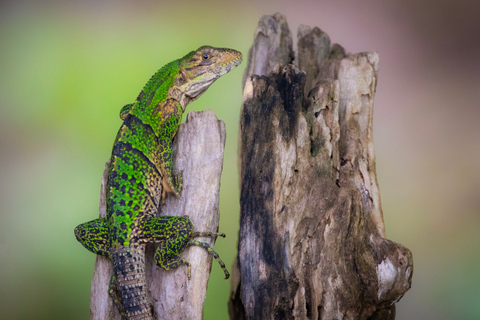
{"type": "Point", "coordinates": [198, 148]}
{"type": "Point", "coordinates": [312, 241]}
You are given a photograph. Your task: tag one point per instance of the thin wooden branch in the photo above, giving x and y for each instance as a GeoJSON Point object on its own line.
{"type": "Point", "coordinates": [198, 151]}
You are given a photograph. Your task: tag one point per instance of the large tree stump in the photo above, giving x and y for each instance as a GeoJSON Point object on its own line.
{"type": "Point", "coordinates": [198, 151]}
{"type": "Point", "coordinates": [312, 239]}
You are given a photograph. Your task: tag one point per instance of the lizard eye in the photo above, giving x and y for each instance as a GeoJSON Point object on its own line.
{"type": "Point", "coordinates": [206, 57]}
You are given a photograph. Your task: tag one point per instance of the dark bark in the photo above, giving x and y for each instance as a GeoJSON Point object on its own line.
{"type": "Point", "coordinates": [312, 242]}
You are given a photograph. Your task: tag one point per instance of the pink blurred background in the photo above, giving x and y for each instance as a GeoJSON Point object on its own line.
{"type": "Point", "coordinates": [68, 67]}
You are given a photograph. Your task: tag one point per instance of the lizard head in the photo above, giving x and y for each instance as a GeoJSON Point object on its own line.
{"type": "Point", "coordinates": [200, 68]}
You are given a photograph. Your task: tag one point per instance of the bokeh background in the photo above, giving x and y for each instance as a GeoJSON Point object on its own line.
{"type": "Point", "coordinates": [67, 67]}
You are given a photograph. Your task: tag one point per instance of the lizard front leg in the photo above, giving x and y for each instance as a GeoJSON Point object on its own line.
{"type": "Point", "coordinates": [171, 182]}
{"type": "Point", "coordinates": [170, 115]}
{"type": "Point", "coordinates": [126, 110]}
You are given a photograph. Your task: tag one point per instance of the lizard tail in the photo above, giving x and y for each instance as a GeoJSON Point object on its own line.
{"type": "Point", "coordinates": [129, 270]}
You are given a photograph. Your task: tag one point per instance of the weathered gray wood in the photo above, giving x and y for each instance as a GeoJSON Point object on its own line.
{"type": "Point", "coordinates": [101, 305]}
{"type": "Point", "coordinates": [198, 151]}
{"type": "Point", "coordinates": [200, 145]}
{"type": "Point", "coordinates": [312, 239]}
{"type": "Point", "coordinates": [313, 48]}
{"type": "Point", "coordinates": [273, 45]}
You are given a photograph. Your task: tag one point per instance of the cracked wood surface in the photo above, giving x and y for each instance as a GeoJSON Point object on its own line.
{"type": "Point", "coordinates": [312, 238]}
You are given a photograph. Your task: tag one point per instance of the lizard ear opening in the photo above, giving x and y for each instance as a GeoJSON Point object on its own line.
{"type": "Point", "coordinates": [182, 77]}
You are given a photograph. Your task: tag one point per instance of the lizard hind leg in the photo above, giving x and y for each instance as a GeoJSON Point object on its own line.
{"type": "Point", "coordinates": [93, 235]}
{"type": "Point", "coordinates": [166, 259]}
{"type": "Point", "coordinates": [172, 234]}
{"type": "Point", "coordinates": [207, 234]}
{"type": "Point", "coordinates": [206, 246]}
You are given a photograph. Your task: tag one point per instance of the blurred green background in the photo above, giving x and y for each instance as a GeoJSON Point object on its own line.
{"type": "Point", "coordinates": [66, 69]}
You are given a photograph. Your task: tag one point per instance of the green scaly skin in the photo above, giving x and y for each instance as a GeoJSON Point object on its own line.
{"type": "Point", "coordinates": [141, 169]}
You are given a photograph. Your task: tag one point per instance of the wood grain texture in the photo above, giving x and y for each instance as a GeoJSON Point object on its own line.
{"type": "Point", "coordinates": [312, 238]}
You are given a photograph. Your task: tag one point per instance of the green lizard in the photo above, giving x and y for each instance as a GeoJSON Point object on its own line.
{"type": "Point", "coordinates": [141, 168]}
